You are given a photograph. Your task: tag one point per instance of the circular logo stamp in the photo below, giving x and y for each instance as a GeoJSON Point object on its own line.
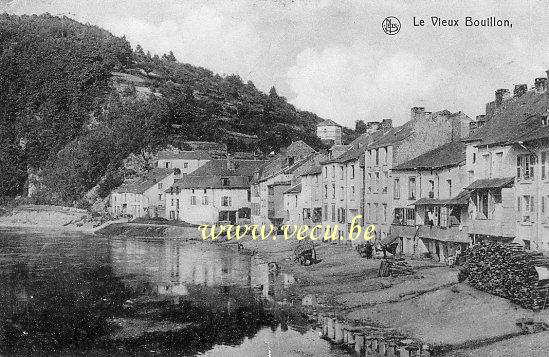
{"type": "Point", "coordinates": [391, 25]}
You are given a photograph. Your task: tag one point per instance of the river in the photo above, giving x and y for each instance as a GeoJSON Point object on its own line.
{"type": "Point", "coordinates": [68, 293]}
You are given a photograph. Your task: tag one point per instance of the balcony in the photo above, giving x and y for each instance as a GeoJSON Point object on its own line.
{"type": "Point", "coordinates": [445, 234]}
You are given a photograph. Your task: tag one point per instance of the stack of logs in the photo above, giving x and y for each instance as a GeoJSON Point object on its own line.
{"type": "Point", "coordinates": [393, 267]}
{"type": "Point", "coordinates": [369, 340]}
{"type": "Point", "coordinates": [508, 270]}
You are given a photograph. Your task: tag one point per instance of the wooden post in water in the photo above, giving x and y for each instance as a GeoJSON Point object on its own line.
{"type": "Point", "coordinates": [331, 328]}
{"type": "Point", "coordinates": [338, 332]}
{"type": "Point", "coordinates": [382, 347]}
{"type": "Point", "coordinates": [391, 349]}
{"type": "Point", "coordinates": [359, 343]}
{"type": "Point", "coordinates": [368, 345]}
{"type": "Point", "coordinates": [375, 344]}
{"type": "Point", "coordinates": [350, 338]}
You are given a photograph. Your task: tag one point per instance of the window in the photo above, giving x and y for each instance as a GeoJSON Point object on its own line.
{"type": "Point", "coordinates": [404, 216]}
{"type": "Point", "coordinates": [185, 165]}
{"type": "Point", "coordinates": [325, 212]}
{"type": "Point", "coordinates": [271, 191]}
{"type": "Point", "coordinates": [431, 189]}
{"type": "Point", "coordinates": [396, 189]}
{"type": "Point", "coordinates": [352, 193]}
{"type": "Point", "coordinates": [205, 200]}
{"type": "Point", "coordinates": [449, 183]}
{"type": "Point", "coordinates": [160, 197]}
{"type": "Point", "coordinates": [193, 200]}
{"type": "Point", "coordinates": [385, 182]}
{"type": "Point", "coordinates": [172, 202]}
{"type": "Point", "coordinates": [177, 203]}
{"type": "Point", "coordinates": [168, 165]}
{"type": "Point", "coordinates": [249, 195]}
{"type": "Point", "coordinates": [342, 191]}
{"type": "Point", "coordinates": [375, 212]}
{"type": "Point", "coordinates": [474, 158]}
{"type": "Point", "coordinates": [377, 157]}
{"type": "Point", "coordinates": [160, 185]}
{"type": "Point", "coordinates": [326, 172]}
{"type": "Point", "coordinates": [498, 163]}
{"type": "Point", "coordinates": [333, 190]}
{"type": "Point", "coordinates": [226, 201]}
{"type": "Point", "coordinates": [341, 172]}
{"type": "Point", "coordinates": [385, 212]}
{"type": "Point", "coordinates": [369, 182]}
{"type": "Point", "coordinates": [325, 191]}
{"type": "Point", "coordinates": [544, 165]}
{"type": "Point", "coordinates": [291, 161]}
{"type": "Point", "coordinates": [352, 171]}
{"type": "Point", "coordinates": [376, 190]}
{"type": "Point", "coordinates": [525, 166]}
{"type": "Point", "coordinates": [545, 209]}
{"type": "Point", "coordinates": [333, 212]}
{"type": "Point", "coordinates": [225, 181]}
{"type": "Point", "coordinates": [544, 121]}
{"type": "Point", "coordinates": [487, 164]}
{"type": "Point", "coordinates": [384, 156]}
{"type": "Point", "coordinates": [482, 204]}
{"type": "Point", "coordinates": [412, 188]}
{"type": "Point", "coordinates": [528, 211]}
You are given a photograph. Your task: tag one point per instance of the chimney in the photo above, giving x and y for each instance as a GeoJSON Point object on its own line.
{"type": "Point", "coordinates": [501, 95]}
{"type": "Point", "coordinates": [417, 112]}
{"type": "Point", "coordinates": [230, 163]}
{"type": "Point", "coordinates": [386, 125]}
{"type": "Point", "coordinates": [520, 89]}
{"type": "Point", "coordinates": [481, 118]}
{"type": "Point", "coordinates": [540, 84]}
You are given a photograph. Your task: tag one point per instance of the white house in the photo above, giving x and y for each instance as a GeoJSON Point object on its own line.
{"type": "Point", "coordinates": [186, 161]}
{"type": "Point", "coordinates": [143, 197]}
{"type": "Point", "coordinates": [218, 191]}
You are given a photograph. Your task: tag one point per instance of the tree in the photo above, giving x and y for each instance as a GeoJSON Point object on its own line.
{"type": "Point", "coordinates": [272, 93]}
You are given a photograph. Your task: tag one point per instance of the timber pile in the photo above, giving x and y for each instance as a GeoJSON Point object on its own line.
{"type": "Point", "coordinates": [508, 270]}
{"type": "Point", "coordinates": [394, 267]}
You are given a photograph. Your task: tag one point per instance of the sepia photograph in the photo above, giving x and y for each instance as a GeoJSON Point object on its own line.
{"type": "Point", "coordinates": [274, 178]}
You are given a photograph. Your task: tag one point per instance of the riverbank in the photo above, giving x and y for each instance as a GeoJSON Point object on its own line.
{"type": "Point", "coordinates": [429, 306]}
{"type": "Point", "coordinates": [50, 217]}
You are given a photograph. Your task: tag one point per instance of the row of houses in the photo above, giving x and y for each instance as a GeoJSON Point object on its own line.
{"type": "Point", "coordinates": [435, 184]}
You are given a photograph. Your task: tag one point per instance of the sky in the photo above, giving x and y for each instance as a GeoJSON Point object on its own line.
{"type": "Point", "coordinates": [332, 57]}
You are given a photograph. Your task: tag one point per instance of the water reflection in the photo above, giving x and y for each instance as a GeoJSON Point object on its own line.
{"type": "Point", "coordinates": [71, 292]}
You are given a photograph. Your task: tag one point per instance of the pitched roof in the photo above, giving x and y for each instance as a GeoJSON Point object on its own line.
{"type": "Point", "coordinates": [221, 168]}
{"type": "Point", "coordinates": [279, 163]}
{"type": "Point", "coordinates": [200, 182]}
{"type": "Point", "coordinates": [447, 155]}
{"type": "Point", "coordinates": [516, 119]}
{"type": "Point", "coordinates": [145, 182]}
{"type": "Point", "coordinates": [491, 183]}
{"type": "Point", "coordinates": [393, 136]}
{"type": "Point", "coordinates": [461, 199]}
{"type": "Point", "coordinates": [294, 189]}
{"type": "Point", "coordinates": [183, 155]}
{"type": "Point", "coordinates": [328, 122]}
{"type": "Point", "coordinates": [356, 148]}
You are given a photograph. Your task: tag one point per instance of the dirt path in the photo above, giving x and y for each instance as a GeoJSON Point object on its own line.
{"type": "Point", "coordinates": [430, 305]}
